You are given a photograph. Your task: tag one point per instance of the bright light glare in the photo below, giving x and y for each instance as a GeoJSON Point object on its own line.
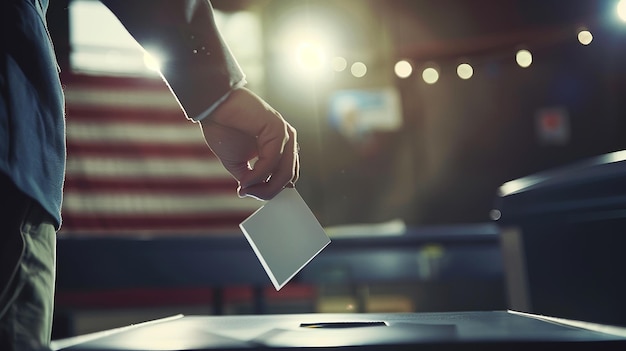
{"type": "Point", "coordinates": [306, 40]}
{"type": "Point", "coordinates": [151, 61]}
{"type": "Point", "coordinates": [621, 10]}
{"type": "Point", "coordinates": [100, 44]}
{"type": "Point", "coordinates": [403, 69]}
{"type": "Point", "coordinates": [585, 37]}
{"type": "Point", "coordinates": [309, 55]}
{"type": "Point", "coordinates": [339, 64]}
{"type": "Point", "coordinates": [465, 71]}
{"type": "Point", "coordinates": [358, 69]}
{"type": "Point", "coordinates": [524, 58]}
{"type": "Point", "coordinates": [430, 75]}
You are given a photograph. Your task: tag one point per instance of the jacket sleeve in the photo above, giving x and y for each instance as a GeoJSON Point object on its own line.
{"type": "Point", "coordinates": [196, 62]}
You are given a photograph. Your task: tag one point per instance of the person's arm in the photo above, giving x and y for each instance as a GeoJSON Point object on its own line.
{"type": "Point", "coordinates": [204, 76]}
{"type": "Point", "coordinates": [195, 62]}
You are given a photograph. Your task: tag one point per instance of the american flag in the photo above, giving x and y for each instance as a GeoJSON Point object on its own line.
{"type": "Point", "coordinates": [136, 165]}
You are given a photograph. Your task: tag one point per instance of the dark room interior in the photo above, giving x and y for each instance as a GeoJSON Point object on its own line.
{"type": "Point", "coordinates": [462, 155]}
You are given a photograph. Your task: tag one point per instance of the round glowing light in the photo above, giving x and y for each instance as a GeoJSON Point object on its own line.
{"type": "Point", "coordinates": [339, 64]}
{"type": "Point", "coordinates": [621, 10]}
{"type": "Point", "coordinates": [465, 71]}
{"type": "Point", "coordinates": [403, 69]}
{"type": "Point", "coordinates": [430, 75]}
{"type": "Point", "coordinates": [585, 37]}
{"type": "Point", "coordinates": [358, 69]}
{"type": "Point", "coordinates": [309, 55]}
{"type": "Point", "coordinates": [524, 58]}
{"type": "Point", "coordinates": [495, 214]}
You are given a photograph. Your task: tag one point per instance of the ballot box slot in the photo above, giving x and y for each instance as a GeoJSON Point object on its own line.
{"type": "Point", "coordinates": [339, 325]}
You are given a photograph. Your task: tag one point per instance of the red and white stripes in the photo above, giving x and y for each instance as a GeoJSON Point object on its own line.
{"type": "Point", "coordinates": [135, 164]}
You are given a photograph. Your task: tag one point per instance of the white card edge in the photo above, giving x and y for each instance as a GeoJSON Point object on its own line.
{"type": "Point", "coordinates": [266, 267]}
{"type": "Point", "coordinates": [303, 265]}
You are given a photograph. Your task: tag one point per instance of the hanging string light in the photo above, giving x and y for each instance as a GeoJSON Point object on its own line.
{"type": "Point", "coordinates": [465, 71]}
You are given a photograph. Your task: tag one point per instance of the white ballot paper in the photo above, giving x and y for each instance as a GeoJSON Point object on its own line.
{"type": "Point", "coordinates": [285, 235]}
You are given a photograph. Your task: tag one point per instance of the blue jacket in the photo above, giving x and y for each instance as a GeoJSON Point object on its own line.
{"type": "Point", "coordinates": [200, 71]}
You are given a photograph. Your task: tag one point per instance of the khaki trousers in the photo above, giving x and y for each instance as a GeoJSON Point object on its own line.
{"type": "Point", "coordinates": [27, 271]}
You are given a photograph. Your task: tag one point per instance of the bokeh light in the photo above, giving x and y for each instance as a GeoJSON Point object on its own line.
{"type": "Point", "coordinates": [339, 64]}
{"type": "Point", "coordinates": [430, 75]}
{"type": "Point", "coordinates": [403, 69]}
{"type": "Point", "coordinates": [585, 37]}
{"type": "Point", "coordinates": [495, 214]}
{"type": "Point", "coordinates": [465, 71]}
{"type": "Point", "coordinates": [524, 58]}
{"type": "Point", "coordinates": [358, 69]}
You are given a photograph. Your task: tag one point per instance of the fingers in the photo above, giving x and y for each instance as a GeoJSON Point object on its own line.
{"type": "Point", "coordinates": [284, 174]}
{"type": "Point", "coordinates": [233, 148]}
{"type": "Point", "coordinates": [270, 146]}
{"type": "Point", "coordinates": [292, 183]}
{"type": "Point", "coordinates": [296, 173]}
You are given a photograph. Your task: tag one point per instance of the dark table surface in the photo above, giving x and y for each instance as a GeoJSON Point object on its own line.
{"type": "Point", "coordinates": [484, 330]}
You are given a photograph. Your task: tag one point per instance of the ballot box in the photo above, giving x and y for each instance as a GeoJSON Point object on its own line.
{"type": "Point", "coordinates": [480, 330]}
{"type": "Point", "coordinates": [563, 239]}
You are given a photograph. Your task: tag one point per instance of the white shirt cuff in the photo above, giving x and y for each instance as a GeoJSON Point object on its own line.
{"type": "Point", "coordinates": [213, 107]}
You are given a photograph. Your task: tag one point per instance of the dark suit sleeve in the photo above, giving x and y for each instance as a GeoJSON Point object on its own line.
{"type": "Point", "coordinates": [196, 63]}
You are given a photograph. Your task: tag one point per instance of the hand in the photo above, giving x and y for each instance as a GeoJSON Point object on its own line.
{"type": "Point", "coordinates": [244, 128]}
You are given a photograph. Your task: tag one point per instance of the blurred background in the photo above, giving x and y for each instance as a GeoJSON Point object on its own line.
{"type": "Point", "coordinates": [410, 113]}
